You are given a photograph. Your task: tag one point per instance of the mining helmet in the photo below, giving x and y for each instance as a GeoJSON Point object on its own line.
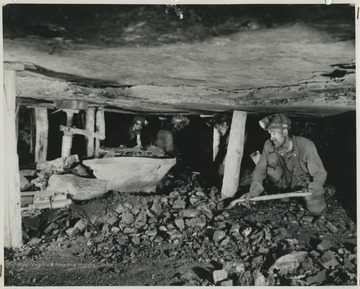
{"type": "Point", "coordinates": [180, 119]}
{"type": "Point", "coordinates": [275, 121]}
{"type": "Point", "coordinates": [140, 120]}
{"type": "Point", "coordinates": [218, 118]}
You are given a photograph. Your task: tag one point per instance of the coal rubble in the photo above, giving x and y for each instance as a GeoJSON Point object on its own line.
{"type": "Point", "coordinates": [268, 243]}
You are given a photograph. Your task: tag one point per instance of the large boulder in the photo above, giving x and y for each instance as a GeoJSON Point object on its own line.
{"type": "Point", "coordinates": [78, 188]}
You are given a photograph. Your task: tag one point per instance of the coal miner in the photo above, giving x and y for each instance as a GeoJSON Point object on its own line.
{"type": "Point", "coordinates": [221, 123]}
{"type": "Point", "coordinates": [165, 137]}
{"type": "Point", "coordinates": [289, 163]}
{"type": "Point", "coordinates": [134, 133]}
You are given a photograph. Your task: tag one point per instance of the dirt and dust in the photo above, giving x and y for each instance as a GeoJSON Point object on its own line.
{"type": "Point", "coordinates": [184, 237]}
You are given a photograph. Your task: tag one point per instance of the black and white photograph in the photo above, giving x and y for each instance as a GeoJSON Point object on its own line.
{"type": "Point", "coordinates": [179, 144]}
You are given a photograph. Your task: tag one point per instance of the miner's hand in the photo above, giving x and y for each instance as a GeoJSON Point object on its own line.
{"type": "Point", "coordinates": [246, 196]}
{"type": "Point", "coordinates": [315, 188]}
{"type": "Point", "coordinates": [243, 200]}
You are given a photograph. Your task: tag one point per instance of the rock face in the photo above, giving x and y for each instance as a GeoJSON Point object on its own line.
{"type": "Point", "coordinates": [207, 79]}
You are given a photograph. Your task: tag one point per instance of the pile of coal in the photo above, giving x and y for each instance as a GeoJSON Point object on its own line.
{"type": "Point", "coordinates": [269, 243]}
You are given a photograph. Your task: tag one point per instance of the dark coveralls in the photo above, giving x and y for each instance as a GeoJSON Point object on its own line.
{"type": "Point", "coordinates": [219, 161]}
{"type": "Point", "coordinates": [294, 170]}
{"type": "Point", "coordinates": [132, 137]}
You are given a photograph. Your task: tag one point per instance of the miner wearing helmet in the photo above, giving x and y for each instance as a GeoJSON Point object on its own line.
{"type": "Point", "coordinates": [165, 137]}
{"type": "Point", "coordinates": [221, 123]}
{"type": "Point", "coordinates": [179, 121]}
{"type": "Point", "coordinates": [134, 133]}
{"type": "Point", "coordinates": [289, 163]}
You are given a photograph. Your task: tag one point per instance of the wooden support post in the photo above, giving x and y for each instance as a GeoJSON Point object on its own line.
{"type": "Point", "coordinates": [67, 137]}
{"type": "Point", "coordinates": [42, 132]}
{"type": "Point", "coordinates": [90, 126]}
{"type": "Point", "coordinates": [216, 142]}
{"type": "Point", "coordinates": [11, 181]}
{"type": "Point", "coordinates": [100, 128]}
{"type": "Point", "coordinates": [17, 121]}
{"type": "Point", "coordinates": [32, 131]}
{"type": "Point", "coordinates": [234, 155]}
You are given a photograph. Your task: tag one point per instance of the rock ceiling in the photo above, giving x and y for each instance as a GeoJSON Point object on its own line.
{"type": "Point", "coordinates": [297, 67]}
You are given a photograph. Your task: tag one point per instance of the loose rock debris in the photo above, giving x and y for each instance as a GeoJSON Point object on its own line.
{"type": "Point", "coordinates": [269, 243]}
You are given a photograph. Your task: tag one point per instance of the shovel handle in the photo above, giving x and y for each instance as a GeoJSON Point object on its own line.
{"type": "Point", "coordinates": [271, 197]}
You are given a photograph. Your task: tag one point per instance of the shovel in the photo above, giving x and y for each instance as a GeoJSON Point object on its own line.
{"type": "Point", "coordinates": [270, 197]}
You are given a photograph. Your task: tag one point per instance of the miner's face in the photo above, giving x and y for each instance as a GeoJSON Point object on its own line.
{"type": "Point", "coordinates": [178, 126]}
{"type": "Point", "coordinates": [277, 136]}
{"type": "Point", "coordinates": [138, 125]}
{"type": "Point", "coordinates": [222, 128]}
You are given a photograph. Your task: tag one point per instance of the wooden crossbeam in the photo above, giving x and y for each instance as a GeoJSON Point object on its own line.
{"type": "Point", "coordinates": [74, 130]}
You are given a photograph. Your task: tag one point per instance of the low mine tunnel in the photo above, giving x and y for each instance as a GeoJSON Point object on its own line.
{"type": "Point", "coordinates": [334, 137]}
{"type": "Point", "coordinates": [80, 199]}
{"type": "Point", "coordinates": [195, 170]}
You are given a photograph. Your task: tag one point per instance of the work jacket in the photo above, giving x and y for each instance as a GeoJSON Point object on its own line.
{"type": "Point", "coordinates": [290, 170]}
{"type": "Point", "coordinates": [223, 144]}
{"type": "Point", "coordinates": [132, 137]}
{"type": "Point", "coordinates": [165, 139]}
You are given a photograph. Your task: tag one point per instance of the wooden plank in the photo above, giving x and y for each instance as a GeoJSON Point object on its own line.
{"type": "Point", "coordinates": [90, 126]}
{"type": "Point", "coordinates": [12, 198]}
{"type": "Point", "coordinates": [74, 130]}
{"type": "Point", "coordinates": [47, 105]}
{"type": "Point", "coordinates": [234, 155]}
{"type": "Point", "coordinates": [67, 137]}
{"type": "Point", "coordinates": [115, 110]}
{"type": "Point", "coordinates": [199, 99]}
{"type": "Point", "coordinates": [70, 104]}
{"type": "Point", "coordinates": [42, 132]}
{"type": "Point", "coordinates": [10, 65]}
{"type": "Point", "coordinates": [17, 121]}
{"type": "Point", "coordinates": [100, 128]}
{"type": "Point", "coordinates": [32, 131]}
{"type": "Point", "coordinates": [216, 142]}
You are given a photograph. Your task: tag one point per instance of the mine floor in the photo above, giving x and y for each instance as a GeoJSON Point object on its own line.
{"type": "Point", "coordinates": [184, 237]}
